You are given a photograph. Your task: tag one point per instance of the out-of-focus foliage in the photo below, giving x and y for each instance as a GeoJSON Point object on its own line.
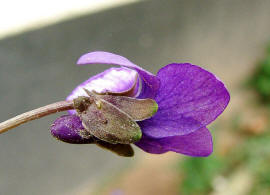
{"type": "Point", "coordinates": [199, 174]}
{"type": "Point", "coordinates": [256, 155]}
{"type": "Point", "coordinates": [253, 153]}
{"type": "Point", "coordinates": [260, 81]}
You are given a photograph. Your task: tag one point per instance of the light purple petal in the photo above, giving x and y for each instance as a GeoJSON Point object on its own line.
{"type": "Point", "coordinates": [68, 128]}
{"type": "Point", "coordinates": [113, 79]}
{"type": "Point", "coordinates": [150, 83]}
{"type": "Point", "coordinates": [189, 98]}
{"type": "Point", "coordinates": [198, 143]}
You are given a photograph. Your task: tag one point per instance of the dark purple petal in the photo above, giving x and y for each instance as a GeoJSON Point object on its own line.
{"type": "Point", "coordinates": [68, 128]}
{"type": "Point", "coordinates": [150, 83]}
{"type": "Point", "coordinates": [114, 80]}
{"type": "Point", "coordinates": [189, 98]}
{"type": "Point", "coordinates": [198, 143]}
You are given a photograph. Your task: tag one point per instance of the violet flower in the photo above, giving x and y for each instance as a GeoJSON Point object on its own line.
{"type": "Point", "coordinates": [188, 97]}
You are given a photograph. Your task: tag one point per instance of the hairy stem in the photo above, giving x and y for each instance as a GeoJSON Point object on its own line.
{"type": "Point", "coordinates": [35, 114]}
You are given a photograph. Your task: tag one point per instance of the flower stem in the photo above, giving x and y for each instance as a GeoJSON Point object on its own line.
{"type": "Point", "coordinates": [35, 114]}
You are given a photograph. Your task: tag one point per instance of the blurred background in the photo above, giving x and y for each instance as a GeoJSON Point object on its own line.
{"type": "Point", "coordinates": [39, 45]}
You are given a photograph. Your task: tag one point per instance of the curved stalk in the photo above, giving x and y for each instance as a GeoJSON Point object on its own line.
{"type": "Point", "coordinates": [35, 114]}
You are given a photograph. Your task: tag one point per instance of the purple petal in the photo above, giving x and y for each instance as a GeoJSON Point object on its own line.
{"type": "Point", "coordinates": [68, 128]}
{"type": "Point", "coordinates": [113, 79]}
{"type": "Point", "coordinates": [198, 143]}
{"type": "Point", "coordinates": [150, 83]}
{"type": "Point", "coordinates": [189, 98]}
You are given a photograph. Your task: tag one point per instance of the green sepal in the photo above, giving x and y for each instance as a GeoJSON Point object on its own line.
{"type": "Point", "coordinates": [107, 122]}
{"type": "Point", "coordinates": [138, 109]}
